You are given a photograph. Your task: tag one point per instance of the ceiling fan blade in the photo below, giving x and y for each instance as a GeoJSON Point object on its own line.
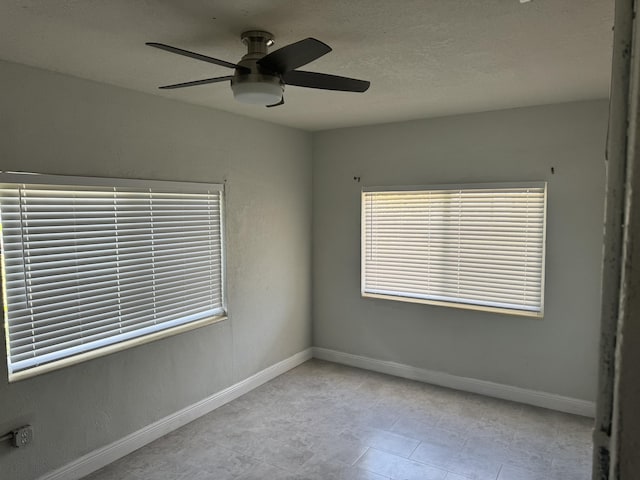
{"type": "Point", "coordinates": [325, 81]}
{"type": "Point", "coordinates": [196, 82]}
{"type": "Point", "coordinates": [281, 102]}
{"type": "Point", "coordinates": [294, 55]}
{"type": "Point", "coordinates": [197, 56]}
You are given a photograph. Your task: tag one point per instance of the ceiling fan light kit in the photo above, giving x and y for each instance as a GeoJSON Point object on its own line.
{"type": "Point", "coordinates": [257, 90]}
{"type": "Point", "coordinates": [260, 77]}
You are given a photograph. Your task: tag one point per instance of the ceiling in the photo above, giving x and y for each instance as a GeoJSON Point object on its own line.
{"type": "Point", "coordinates": [424, 58]}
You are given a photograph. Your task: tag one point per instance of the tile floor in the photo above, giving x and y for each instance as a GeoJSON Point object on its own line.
{"type": "Point", "coordinates": [322, 421]}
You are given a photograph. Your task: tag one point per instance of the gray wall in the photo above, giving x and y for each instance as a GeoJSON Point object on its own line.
{"type": "Point", "coordinates": [556, 354]}
{"type": "Point", "coordinates": [61, 125]}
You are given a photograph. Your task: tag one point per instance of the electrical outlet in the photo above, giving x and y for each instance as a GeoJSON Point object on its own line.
{"type": "Point", "coordinates": [22, 436]}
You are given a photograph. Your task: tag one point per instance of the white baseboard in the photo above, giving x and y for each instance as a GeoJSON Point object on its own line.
{"type": "Point", "coordinates": [483, 387]}
{"type": "Point", "coordinates": [103, 456]}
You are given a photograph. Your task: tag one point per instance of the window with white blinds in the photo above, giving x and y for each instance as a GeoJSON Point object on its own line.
{"type": "Point", "coordinates": [91, 265]}
{"type": "Point", "coordinates": [470, 246]}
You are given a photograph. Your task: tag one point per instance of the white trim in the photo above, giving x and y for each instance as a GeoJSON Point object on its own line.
{"type": "Point", "coordinates": [454, 186]}
{"type": "Point", "coordinates": [482, 387]}
{"type": "Point", "coordinates": [454, 304]}
{"type": "Point", "coordinates": [112, 348]}
{"type": "Point", "coordinates": [110, 453]}
{"type": "Point", "coordinates": [28, 178]}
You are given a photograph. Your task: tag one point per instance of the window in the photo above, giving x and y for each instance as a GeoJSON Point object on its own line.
{"type": "Point", "coordinates": [470, 246]}
{"type": "Point", "coordinates": [93, 265]}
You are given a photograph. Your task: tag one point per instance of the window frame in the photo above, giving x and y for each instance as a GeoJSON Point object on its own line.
{"type": "Point", "coordinates": [80, 183]}
{"type": "Point", "coordinates": [445, 303]}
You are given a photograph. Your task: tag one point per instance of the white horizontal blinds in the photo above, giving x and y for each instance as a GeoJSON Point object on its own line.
{"type": "Point", "coordinates": [469, 245]}
{"type": "Point", "coordinates": [89, 267]}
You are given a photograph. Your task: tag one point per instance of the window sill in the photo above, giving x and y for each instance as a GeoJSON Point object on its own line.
{"type": "Point", "coordinates": [116, 347]}
{"type": "Point", "coordinates": [463, 306]}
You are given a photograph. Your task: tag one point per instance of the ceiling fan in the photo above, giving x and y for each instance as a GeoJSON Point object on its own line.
{"type": "Point", "coordinates": [260, 77]}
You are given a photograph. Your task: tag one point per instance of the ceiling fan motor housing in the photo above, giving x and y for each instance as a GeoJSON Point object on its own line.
{"type": "Point", "coordinates": [258, 86]}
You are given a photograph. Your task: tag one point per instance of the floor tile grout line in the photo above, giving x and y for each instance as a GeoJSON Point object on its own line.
{"type": "Point", "coordinates": [279, 467]}
{"type": "Point", "coordinates": [397, 434]}
{"type": "Point", "coordinates": [413, 451]}
{"type": "Point", "coordinates": [361, 455]}
{"type": "Point", "coordinates": [426, 464]}
{"type": "Point", "coordinates": [437, 467]}
{"type": "Point", "coordinates": [395, 423]}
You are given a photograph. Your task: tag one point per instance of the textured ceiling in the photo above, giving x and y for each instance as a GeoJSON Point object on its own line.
{"type": "Point", "coordinates": [424, 58]}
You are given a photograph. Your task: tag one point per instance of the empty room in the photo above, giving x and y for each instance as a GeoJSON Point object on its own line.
{"type": "Point", "coordinates": [319, 240]}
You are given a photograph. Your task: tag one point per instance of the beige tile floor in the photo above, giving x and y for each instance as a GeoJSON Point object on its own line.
{"type": "Point", "coordinates": [322, 421]}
